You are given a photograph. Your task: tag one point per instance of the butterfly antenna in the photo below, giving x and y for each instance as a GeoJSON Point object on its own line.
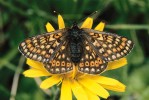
{"type": "Point", "coordinates": [91, 15]}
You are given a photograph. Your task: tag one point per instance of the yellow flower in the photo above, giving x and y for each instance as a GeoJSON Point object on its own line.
{"type": "Point", "coordinates": [83, 86]}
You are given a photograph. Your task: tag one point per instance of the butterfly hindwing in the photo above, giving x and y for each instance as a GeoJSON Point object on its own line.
{"type": "Point", "coordinates": [61, 63]}
{"type": "Point", "coordinates": [42, 47]}
{"type": "Point", "coordinates": [91, 63]}
{"type": "Point", "coordinates": [110, 46]}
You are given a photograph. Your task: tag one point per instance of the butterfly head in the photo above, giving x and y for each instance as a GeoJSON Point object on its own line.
{"type": "Point", "coordinates": [75, 33]}
{"type": "Point", "coordinates": [75, 25]}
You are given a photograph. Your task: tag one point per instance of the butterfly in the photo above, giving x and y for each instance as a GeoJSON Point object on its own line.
{"type": "Point", "coordinates": [89, 49]}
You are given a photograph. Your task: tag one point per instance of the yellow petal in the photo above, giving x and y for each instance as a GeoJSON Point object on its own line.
{"type": "Point", "coordinates": [119, 87]}
{"type": "Point", "coordinates": [100, 26]}
{"type": "Point", "coordinates": [117, 64]}
{"type": "Point", "coordinates": [55, 79]}
{"type": "Point", "coordinates": [93, 86]}
{"type": "Point", "coordinates": [91, 96]}
{"type": "Point", "coordinates": [78, 90]}
{"type": "Point", "coordinates": [34, 64]}
{"type": "Point", "coordinates": [87, 23]}
{"type": "Point", "coordinates": [49, 27]}
{"type": "Point", "coordinates": [61, 22]}
{"type": "Point", "coordinates": [66, 93]}
{"type": "Point", "coordinates": [108, 83]}
{"type": "Point", "coordinates": [35, 73]}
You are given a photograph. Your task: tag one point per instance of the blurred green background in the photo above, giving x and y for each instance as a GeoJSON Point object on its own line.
{"type": "Point", "coordinates": [20, 19]}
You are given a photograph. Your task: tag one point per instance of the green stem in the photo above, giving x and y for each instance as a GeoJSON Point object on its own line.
{"type": "Point", "coordinates": [16, 78]}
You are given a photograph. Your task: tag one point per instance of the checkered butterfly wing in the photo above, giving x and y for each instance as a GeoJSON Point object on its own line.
{"type": "Point", "coordinates": [46, 48]}
{"type": "Point", "coordinates": [61, 62]}
{"type": "Point", "coordinates": [109, 46]}
{"type": "Point", "coordinates": [91, 62]}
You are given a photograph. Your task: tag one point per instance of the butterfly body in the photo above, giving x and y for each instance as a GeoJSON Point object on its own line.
{"type": "Point", "coordinates": [75, 46]}
{"type": "Point", "coordinates": [90, 50]}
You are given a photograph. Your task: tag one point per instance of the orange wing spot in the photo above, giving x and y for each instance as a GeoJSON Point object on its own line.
{"type": "Point", "coordinates": [63, 47]}
{"type": "Point", "coordinates": [97, 44]}
{"type": "Point", "coordinates": [25, 50]}
{"type": "Point", "coordinates": [57, 35]}
{"type": "Point", "coordinates": [116, 42]}
{"type": "Point", "coordinates": [63, 63]}
{"type": "Point", "coordinates": [42, 46]}
{"type": "Point", "coordinates": [124, 39]}
{"type": "Point", "coordinates": [51, 51]}
{"type": "Point", "coordinates": [36, 44]}
{"type": "Point", "coordinates": [91, 33]}
{"type": "Point", "coordinates": [114, 50]}
{"type": "Point", "coordinates": [86, 63]}
{"type": "Point", "coordinates": [81, 64]}
{"type": "Point", "coordinates": [118, 49]}
{"type": "Point", "coordinates": [43, 41]}
{"type": "Point", "coordinates": [34, 56]}
{"type": "Point", "coordinates": [117, 39]}
{"type": "Point", "coordinates": [42, 38]}
{"type": "Point", "coordinates": [68, 65]}
{"type": "Point", "coordinates": [110, 37]}
{"type": "Point", "coordinates": [47, 46]}
{"type": "Point", "coordinates": [31, 48]}
{"type": "Point", "coordinates": [104, 45]}
{"type": "Point", "coordinates": [27, 41]}
{"type": "Point", "coordinates": [109, 41]}
{"type": "Point", "coordinates": [43, 52]}
{"type": "Point", "coordinates": [34, 41]}
{"type": "Point", "coordinates": [93, 55]}
{"type": "Point", "coordinates": [87, 48]}
{"type": "Point", "coordinates": [101, 50]}
{"type": "Point", "coordinates": [99, 60]}
{"type": "Point", "coordinates": [110, 45]}
{"type": "Point", "coordinates": [47, 56]}
{"type": "Point", "coordinates": [100, 37]}
{"type": "Point", "coordinates": [123, 44]}
{"type": "Point", "coordinates": [51, 38]}
{"type": "Point", "coordinates": [106, 55]}
{"type": "Point", "coordinates": [34, 50]}
{"type": "Point", "coordinates": [86, 56]}
{"type": "Point", "coordinates": [38, 51]}
{"type": "Point", "coordinates": [57, 63]}
{"type": "Point", "coordinates": [96, 63]}
{"type": "Point", "coordinates": [92, 64]}
{"type": "Point", "coordinates": [63, 56]}
{"type": "Point", "coordinates": [95, 35]}
{"type": "Point", "coordinates": [29, 45]}
{"type": "Point", "coordinates": [54, 45]}
{"type": "Point", "coordinates": [59, 57]}
{"type": "Point", "coordinates": [109, 51]}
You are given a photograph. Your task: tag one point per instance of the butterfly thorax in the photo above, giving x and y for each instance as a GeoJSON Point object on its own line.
{"type": "Point", "coordinates": [75, 44]}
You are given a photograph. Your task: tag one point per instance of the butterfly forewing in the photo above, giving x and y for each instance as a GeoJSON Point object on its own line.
{"type": "Point", "coordinates": [110, 46]}
{"type": "Point", "coordinates": [42, 47]}
{"type": "Point", "coordinates": [91, 63]}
